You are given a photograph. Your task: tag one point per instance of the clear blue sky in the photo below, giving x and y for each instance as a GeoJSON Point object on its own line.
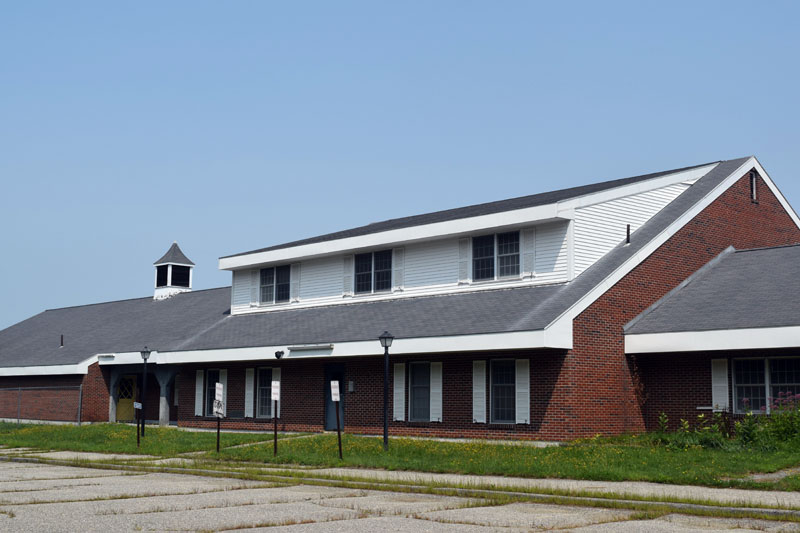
{"type": "Point", "coordinates": [229, 126]}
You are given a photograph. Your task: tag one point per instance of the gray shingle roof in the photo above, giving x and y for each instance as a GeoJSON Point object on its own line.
{"type": "Point", "coordinates": [200, 320]}
{"type": "Point", "coordinates": [121, 326]}
{"type": "Point", "coordinates": [174, 255]}
{"type": "Point", "coordinates": [744, 289]}
{"type": "Point", "coordinates": [472, 210]}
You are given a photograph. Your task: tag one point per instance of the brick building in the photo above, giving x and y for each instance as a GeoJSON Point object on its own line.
{"type": "Point", "coordinates": [552, 316]}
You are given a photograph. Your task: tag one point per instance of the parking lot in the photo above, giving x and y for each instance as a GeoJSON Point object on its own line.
{"type": "Point", "coordinates": [40, 497]}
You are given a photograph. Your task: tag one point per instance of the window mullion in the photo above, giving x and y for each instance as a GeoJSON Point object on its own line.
{"type": "Point", "coordinates": [496, 260]}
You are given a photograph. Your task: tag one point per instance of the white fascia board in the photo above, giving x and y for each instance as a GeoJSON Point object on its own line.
{"type": "Point", "coordinates": [637, 188]}
{"type": "Point", "coordinates": [655, 243]}
{"type": "Point", "coordinates": [523, 340]}
{"type": "Point", "coordinates": [437, 230]}
{"type": "Point", "coordinates": [701, 341]}
{"type": "Point", "coordinates": [176, 264]}
{"type": "Point", "coordinates": [129, 358]}
{"type": "Point", "coordinates": [49, 370]}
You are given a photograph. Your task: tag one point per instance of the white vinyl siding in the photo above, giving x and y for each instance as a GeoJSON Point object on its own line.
{"type": "Point", "coordinates": [249, 388]}
{"type": "Point", "coordinates": [321, 278]}
{"type": "Point", "coordinates": [719, 384]}
{"type": "Point", "coordinates": [431, 263]}
{"type": "Point", "coordinates": [240, 291]}
{"type": "Point", "coordinates": [550, 261]}
{"type": "Point", "coordinates": [479, 391]}
{"type": "Point", "coordinates": [399, 396]}
{"type": "Point", "coordinates": [198, 392]}
{"type": "Point", "coordinates": [600, 227]}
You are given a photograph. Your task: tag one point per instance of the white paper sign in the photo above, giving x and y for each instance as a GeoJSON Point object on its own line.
{"type": "Point", "coordinates": [335, 391]}
{"type": "Point", "coordinates": [137, 405]}
{"type": "Point", "coordinates": [276, 391]}
{"type": "Point", "coordinates": [218, 407]}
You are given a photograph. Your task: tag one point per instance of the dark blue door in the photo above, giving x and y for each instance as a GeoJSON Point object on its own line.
{"type": "Point", "coordinates": [334, 372]}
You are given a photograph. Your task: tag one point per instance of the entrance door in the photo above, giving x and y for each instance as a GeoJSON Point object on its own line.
{"type": "Point", "coordinates": [333, 372]}
{"type": "Point", "coordinates": [126, 392]}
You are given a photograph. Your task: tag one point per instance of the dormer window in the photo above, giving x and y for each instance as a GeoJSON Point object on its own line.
{"type": "Point", "coordinates": [373, 272]}
{"type": "Point", "coordinates": [495, 256]}
{"type": "Point", "coordinates": [275, 284]}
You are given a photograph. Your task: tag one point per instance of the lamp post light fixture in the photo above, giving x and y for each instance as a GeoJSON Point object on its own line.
{"type": "Point", "coordinates": [145, 355]}
{"type": "Point", "coordinates": [386, 340]}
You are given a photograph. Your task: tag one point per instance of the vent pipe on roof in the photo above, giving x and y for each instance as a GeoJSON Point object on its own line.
{"type": "Point", "coordinates": [62, 341]}
{"type": "Point", "coordinates": [628, 237]}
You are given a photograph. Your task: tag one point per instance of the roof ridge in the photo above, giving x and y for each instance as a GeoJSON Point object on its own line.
{"type": "Point", "coordinates": [129, 299]}
{"type": "Point", "coordinates": [578, 189]}
{"type": "Point", "coordinates": [692, 277]}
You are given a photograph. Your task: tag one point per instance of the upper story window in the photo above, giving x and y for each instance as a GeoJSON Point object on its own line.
{"type": "Point", "coordinates": [275, 286]}
{"type": "Point", "coordinates": [495, 256]}
{"type": "Point", "coordinates": [373, 272]}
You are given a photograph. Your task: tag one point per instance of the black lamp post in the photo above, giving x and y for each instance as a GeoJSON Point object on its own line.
{"type": "Point", "coordinates": [145, 355]}
{"type": "Point", "coordinates": [386, 340]}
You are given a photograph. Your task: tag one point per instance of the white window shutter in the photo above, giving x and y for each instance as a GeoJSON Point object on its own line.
{"type": "Point", "coordinates": [198, 393]}
{"type": "Point", "coordinates": [479, 391]}
{"type": "Point", "coordinates": [523, 391]}
{"type": "Point", "coordinates": [255, 282]}
{"type": "Point", "coordinates": [398, 265]}
{"type": "Point", "coordinates": [436, 392]}
{"type": "Point", "coordinates": [399, 393]}
{"type": "Point", "coordinates": [294, 282]}
{"type": "Point", "coordinates": [528, 252]}
{"type": "Point", "coordinates": [463, 260]}
{"type": "Point", "coordinates": [347, 275]}
{"type": "Point", "coordinates": [276, 376]}
{"type": "Point", "coordinates": [719, 384]}
{"type": "Point", "coordinates": [223, 378]}
{"type": "Point", "coordinates": [249, 389]}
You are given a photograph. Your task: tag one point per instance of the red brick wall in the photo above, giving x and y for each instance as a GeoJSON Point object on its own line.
{"type": "Point", "coordinates": [597, 381]}
{"type": "Point", "coordinates": [95, 394]}
{"type": "Point", "coordinates": [58, 402]}
{"type": "Point", "coordinates": [591, 389]}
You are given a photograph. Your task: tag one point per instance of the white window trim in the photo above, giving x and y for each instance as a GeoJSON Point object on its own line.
{"type": "Point", "coordinates": [372, 290]}
{"type": "Point", "coordinates": [497, 277]}
{"type": "Point", "coordinates": [257, 395]}
{"type": "Point", "coordinates": [491, 393]}
{"type": "Point", "coordinates": [767, 382]}
{"type": "Point", "coordinates": [206, 389]}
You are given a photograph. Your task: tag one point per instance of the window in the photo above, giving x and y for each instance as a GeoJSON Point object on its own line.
{"type": "Point", "coordinates": [275, 287]}
{"type": "Point", "coordinates": [503, 374]}
{"type": "Point", "coordinates": [212, 377]}
{"type": "Point", "coordinates": [264, 405]}
{"type": "Point", "coordinates": [495, 256]}
{"type": "Point", "coordinates": [784, 378]}
{"type": "Point", "coordinates": [180, 276]}
{"type": "Point", "coordinates": [419, 379]}
{"type": "Point", "coordinates": [373, 272]}
{"type": "Point", "coordinates": [161, 275]}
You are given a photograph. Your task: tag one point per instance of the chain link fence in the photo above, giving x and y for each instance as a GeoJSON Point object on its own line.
{"type": "Point", "coordinates": [36, 404]}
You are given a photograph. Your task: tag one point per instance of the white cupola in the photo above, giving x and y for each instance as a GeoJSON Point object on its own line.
{"type": "Point", "coordinates": [173, 273]}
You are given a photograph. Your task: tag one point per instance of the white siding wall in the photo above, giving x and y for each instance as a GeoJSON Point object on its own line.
{"type": "Point", "coordinates": [240, 291]}
{"type": "Point", "coordinates": [321, 278]}
{"type": "Point", "coordinates": [551, 252]}
{"type": "Point", "coordinates": [431, 263]}
{"type": "Point", "coordinates": [600, 227]}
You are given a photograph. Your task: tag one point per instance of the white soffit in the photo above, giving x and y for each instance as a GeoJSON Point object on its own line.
{"type": "Point", "coordinates": [701, 341]}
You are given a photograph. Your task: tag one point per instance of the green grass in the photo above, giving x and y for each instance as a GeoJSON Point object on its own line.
{"type": "Point", "coordinates": [119, 438]}
{"type": "Point", "coordinates": [619, 459]}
